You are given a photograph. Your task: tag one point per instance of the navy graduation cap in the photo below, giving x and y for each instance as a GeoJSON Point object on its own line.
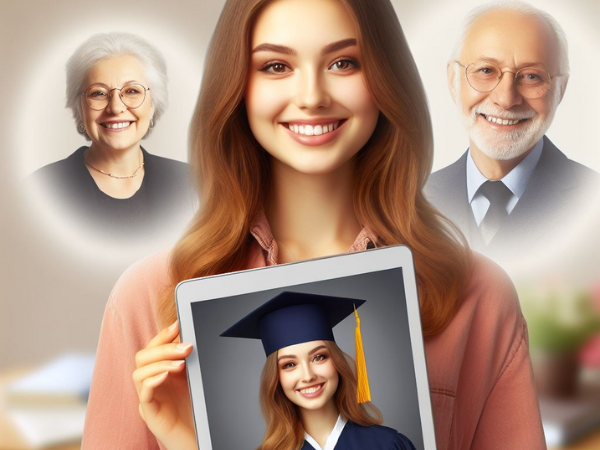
{"type": "Point", "coordinates": [294, 318]}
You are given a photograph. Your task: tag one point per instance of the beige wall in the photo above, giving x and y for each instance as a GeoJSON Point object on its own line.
{"type": "Point", "coordinates": [55, 287]}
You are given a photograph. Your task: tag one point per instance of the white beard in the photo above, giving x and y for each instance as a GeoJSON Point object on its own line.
{"type": "Point", "coordinates": [505, 145]}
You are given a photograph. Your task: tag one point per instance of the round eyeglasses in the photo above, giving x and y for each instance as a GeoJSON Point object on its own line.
{"type": "Point", "coordinates": [98, 96]}
{"type": "Point", "coordinates": [531, 82]}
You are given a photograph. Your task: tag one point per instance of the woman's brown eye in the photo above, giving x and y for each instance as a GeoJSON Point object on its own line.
{"type": "Point", "coordinates": [275, 68]}
{"type": "Point", "coordinates": [344, 65]}
{"type": "Point", "coordinates": [278, 68]}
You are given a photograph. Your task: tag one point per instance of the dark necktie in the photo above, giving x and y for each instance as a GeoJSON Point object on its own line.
{"type": "Point", "coordinates": [498, 195]}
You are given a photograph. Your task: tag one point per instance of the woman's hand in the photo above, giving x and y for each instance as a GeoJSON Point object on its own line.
{"type": "Point", "coordinates": [162, 389]}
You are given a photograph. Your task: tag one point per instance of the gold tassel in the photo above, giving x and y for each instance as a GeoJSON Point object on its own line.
{"type": "Point", "coordinates": [363, 391]}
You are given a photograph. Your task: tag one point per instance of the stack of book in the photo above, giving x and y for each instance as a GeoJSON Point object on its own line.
{"type": "Point", "coordinates": [46, 407]}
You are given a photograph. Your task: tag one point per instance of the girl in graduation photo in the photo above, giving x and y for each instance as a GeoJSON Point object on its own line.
{"type": "Point", "coordinates": [312, 137]}
{"type": "Point", "coordinates": [310, 396]}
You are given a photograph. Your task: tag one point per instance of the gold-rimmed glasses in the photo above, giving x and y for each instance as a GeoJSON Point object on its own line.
{"type": "Point", "coordinates": [484, 76]}
{"type": "Point", "coordinates": [98, 96]}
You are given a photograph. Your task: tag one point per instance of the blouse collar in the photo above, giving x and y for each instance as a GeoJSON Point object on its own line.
{"type": "Point", "coordinates": [261, 231]}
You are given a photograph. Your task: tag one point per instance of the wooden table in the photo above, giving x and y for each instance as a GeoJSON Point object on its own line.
{"type": "Point", "coordinates": [588, 388]}
{"type": "Point", "coordinates": [591, 442]}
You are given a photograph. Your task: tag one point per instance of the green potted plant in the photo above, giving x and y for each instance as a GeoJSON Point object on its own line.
{"type": "Point", "coordinates": [560, 320]}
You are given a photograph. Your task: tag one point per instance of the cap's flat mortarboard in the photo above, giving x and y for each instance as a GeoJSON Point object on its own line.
{"type": "Point", "coordinates": [293, 318]}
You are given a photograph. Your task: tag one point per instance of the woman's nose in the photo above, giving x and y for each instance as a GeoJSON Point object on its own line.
{"type": "Point", "coordinates": [307, 373]}
{"type": "Point", "coordinates": [115, 104]}
{"type": "Point", "coordinates": [311, 90]}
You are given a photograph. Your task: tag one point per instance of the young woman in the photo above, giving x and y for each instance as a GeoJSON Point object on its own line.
{"type": "Point", "coordinates": [312, 137]}
{"type": "Point", "coordinates": [309, 394]}
{"type": "Point", "coordinates": [334, 419]}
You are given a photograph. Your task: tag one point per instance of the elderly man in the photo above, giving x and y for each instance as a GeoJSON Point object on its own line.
{"type": "Point", "coordinates": [513, 187]}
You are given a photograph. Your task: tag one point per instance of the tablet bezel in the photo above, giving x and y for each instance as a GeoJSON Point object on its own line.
{"type": "Point", "coordinates": [285, 275]}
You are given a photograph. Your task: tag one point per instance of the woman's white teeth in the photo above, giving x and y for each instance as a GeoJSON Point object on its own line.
{"type": "Point", "coordinates": [317, 130]}
{"type": "Point", "coordinates": [117, 125]}
{"type": "Point", "coordinates": [311, 390]}
{"type": "Point", "coordinates": [501, 121]}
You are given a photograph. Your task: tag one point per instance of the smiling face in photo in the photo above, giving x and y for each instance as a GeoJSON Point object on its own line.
{"type": "Point", "coordinates": [307, 100]}
{"type": "Point", "coordinates": [117, 127]}
{"type": "Point", "coordinates": [307, 374]}
{"type": "Point", "coordinates": [503, 124]}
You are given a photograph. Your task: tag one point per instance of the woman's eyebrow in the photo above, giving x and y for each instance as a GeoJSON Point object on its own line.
{"type": "Point", "coordinates": [329, 48]}
{"type": "Point", "coordinates": [122, 85]}
{"type": "Point", "coordinates": [316, 349]}
{"type": "Point", "coordinates": [274, 48]}
{"type": "Point", "coordinates": [339, 45]}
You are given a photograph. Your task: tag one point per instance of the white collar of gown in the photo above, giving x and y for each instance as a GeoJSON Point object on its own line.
{"type": "Point", "coordinates": [333, 437]}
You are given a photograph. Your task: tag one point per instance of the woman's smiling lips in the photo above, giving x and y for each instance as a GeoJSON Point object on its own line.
{"type": "Point", "coordinates": [311, 391]}
{"type": "Point", "coordinates": [116, 125]}
{"type": "Point", "coordinates": [314, 132]}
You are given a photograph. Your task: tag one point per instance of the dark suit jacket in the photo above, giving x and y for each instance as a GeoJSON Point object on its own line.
{"type": "Point", "coordinates": [557, 194]}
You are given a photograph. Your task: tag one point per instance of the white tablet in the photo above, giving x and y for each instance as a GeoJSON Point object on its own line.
{"type": "Point", "coordinates": [224, 373]}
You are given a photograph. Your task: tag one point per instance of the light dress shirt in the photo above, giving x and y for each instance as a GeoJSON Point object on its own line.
{"type": "Point", "coordinates": [333, 437]}
{"type": "Point", "coordinates": [516, 181]}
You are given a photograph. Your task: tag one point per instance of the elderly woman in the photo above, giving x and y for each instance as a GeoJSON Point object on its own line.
{"type": "Point", "coordinates": [117, 90]}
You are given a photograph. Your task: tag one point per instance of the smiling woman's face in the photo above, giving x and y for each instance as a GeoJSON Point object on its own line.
{"type": "Point", "coordinates": [307, 374]}
{"type": "Point", "coordinates": [117, 127]}
{"type": "Point", "coordinates": [306, 98]}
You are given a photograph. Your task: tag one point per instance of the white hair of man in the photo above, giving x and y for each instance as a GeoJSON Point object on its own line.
{"type": "Point", "coordinates": [112, 45]}
{"type": "Point", "coordinates": [525, 8]}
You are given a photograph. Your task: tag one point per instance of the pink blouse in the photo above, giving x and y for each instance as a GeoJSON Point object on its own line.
{"type": "Point", "coordinates": [480, 375]}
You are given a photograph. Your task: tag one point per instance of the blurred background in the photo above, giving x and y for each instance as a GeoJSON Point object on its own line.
{"type": "Point", "coordinates": [55, 284]}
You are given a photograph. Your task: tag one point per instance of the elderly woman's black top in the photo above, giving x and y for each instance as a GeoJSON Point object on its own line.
{"type": "Point", "coordinates": [165, 198]}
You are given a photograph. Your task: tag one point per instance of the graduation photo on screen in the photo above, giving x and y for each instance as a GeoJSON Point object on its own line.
{"type": "Point", "coordinates": [339, 364]}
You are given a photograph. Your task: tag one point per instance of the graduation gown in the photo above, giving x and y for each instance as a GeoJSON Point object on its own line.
{"type": "Point", "coordinates": [375, 437]}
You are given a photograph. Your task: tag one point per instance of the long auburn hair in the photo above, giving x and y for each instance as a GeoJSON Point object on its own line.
{"type": "Point", "coordinates": [391, 169]}
{"type": "Point", "coordinates": [284, 426]}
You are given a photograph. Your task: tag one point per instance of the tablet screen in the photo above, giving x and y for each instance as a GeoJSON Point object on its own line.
{"type": "Point", "coordinates": [229, 369]}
